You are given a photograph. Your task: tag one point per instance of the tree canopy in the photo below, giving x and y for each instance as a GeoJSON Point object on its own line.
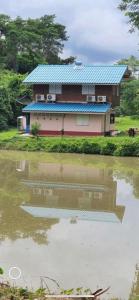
{"type": "Point", "coordinates": [131, 61]}
{"type": "Point", "coordinates": [27, 43]}
{"type": "Point", "coordinates": [131, 9]}
{"type": "Point", "coordinates": [129, 105]}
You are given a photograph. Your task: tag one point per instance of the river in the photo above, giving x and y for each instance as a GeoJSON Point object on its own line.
{"type": "Point", "coordinates": [73, 218]}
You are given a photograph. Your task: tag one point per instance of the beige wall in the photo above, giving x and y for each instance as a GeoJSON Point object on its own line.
{"type": "Point", "coordinates": [54, 122]}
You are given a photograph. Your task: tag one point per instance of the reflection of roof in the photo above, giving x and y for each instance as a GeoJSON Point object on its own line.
{"type": "Point", "coordinates": [62, 185]}
{"type": "Point", "coordinates": [67, 107]}
{"type": "Point", "coordinates": [42, 212]}
{"type": "Point", "coordinates": [69, 74]}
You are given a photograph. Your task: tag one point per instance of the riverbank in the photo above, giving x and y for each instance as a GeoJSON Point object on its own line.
{"type": "Point", "coordinates": [117, 146]}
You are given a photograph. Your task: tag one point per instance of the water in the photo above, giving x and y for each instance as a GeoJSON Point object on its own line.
{"type": "Point", "coordinates": [73, 218]}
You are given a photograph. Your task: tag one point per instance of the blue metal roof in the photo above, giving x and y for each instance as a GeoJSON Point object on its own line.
{"type": "Point", "coordinates": [67, 107]}
{"type": "Point", "coordinates": [69, 74]}
{"type": "Point", "coordinates": [54, 213]}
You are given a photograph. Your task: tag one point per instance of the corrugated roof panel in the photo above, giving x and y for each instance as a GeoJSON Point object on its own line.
{"type": "Point", "coordinates": [67, 107]}
{"type": "Point", "coordinates": [68, 74]}
{"type": "Point", "coordinates": [46, 212]}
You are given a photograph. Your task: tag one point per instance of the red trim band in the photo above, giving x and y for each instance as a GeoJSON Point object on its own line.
{"type": "Point", "coordinates": [69, 133]}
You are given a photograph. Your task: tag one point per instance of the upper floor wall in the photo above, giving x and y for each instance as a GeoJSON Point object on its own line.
{"type": "Point", "coordinates": [78, 93]}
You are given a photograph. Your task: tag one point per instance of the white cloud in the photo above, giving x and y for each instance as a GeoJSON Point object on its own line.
{"type": "Point", "coordinates": [98, 30]}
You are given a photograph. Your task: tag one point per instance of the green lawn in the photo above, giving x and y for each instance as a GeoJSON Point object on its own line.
{"type": "Point", "coordinates": [8, 134]}
{"type": "Point", "coordinates": [124, 123]}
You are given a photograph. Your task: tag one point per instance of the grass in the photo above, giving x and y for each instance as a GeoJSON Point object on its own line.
{"type": "Point", "coordinates": [124, 123]}
{"type": "Point", "coordinates": [8, 134]}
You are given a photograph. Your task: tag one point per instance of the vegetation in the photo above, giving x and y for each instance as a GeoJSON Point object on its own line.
{"type": "Point", "coordinates": [124, 123]}
{"type": "Point", "coordinates": [35, 129]}
{"type": "Point", "coordinates": [26, 43]}
{"type": "Point", "coordinates": [119, 146]}
{"type": "Point", "coordinates": [11, 88]}
{"type": "Point", "coordinates": [131, 9]}
{"type": "Point", "coordinates": [131, 61]}
{"type": "Point", "coordinates": [129, 105]}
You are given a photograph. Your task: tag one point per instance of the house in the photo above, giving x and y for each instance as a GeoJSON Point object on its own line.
{"type": "Point", "coordinates": [74, 99]}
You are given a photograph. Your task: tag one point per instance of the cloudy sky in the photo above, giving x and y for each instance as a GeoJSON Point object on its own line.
{"type": "Point", "coordinates": [98, 30]}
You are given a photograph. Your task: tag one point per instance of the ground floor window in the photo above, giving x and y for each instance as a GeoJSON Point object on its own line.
{"type": "Point", "coordinates": [82, 120]}
{"type": "Point", "coordinates": [112, 118]}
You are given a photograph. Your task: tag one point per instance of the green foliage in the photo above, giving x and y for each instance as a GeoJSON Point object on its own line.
{"type": "Point", "coordinates": [119, 146]}
{"type": "Point", "coordinates": [1, 271]}
{"type": "Point", "coordinates": [108, 148]}
{"type": "Point", "coordinates": [124, 123]}
{"type": "Point", "coordinates": [35, 127]}
{"type": "Point", "coordinates": [130, 98]}
{"type": "Point", "coordinates": [131, 9]}
{"type": "Point", "coordinates": [11, 88]}
{"type": "Point", "coordinates": [131, 61]}
{"type": "Point", "coordinates": [26, 43]}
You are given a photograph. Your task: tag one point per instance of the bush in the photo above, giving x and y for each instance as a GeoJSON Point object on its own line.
{"type": "Point", "coordinates": [35, 127]}
{"type": "Point", "coordinates": [128, 149]}
{"type": "Point", "coordinates": [108, 149]}
{"type": "Point", "coordinates": [90, 148]}
{"type": "Point", "coordinates": [135, 117]}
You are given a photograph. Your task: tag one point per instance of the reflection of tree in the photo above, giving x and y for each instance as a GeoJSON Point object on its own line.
{"type": "Point", "coordinates": [14, 223]}
{"type": "Point", "coordinates": [134, 295]}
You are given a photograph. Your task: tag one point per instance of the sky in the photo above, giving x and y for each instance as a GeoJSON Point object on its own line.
{"type": "Point", "coordinates": [98, 32]}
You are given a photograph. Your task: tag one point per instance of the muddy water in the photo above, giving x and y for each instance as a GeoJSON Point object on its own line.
{"type": "Point", "coordinates": [73, 218]}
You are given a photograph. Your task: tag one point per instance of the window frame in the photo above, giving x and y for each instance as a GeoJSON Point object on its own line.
{"type": "Point", "coordinates": [88, 89]}
{"type": "Point", "coordinates": [80, 121]}
{"type": "Point", "coordinates": [55, 89]}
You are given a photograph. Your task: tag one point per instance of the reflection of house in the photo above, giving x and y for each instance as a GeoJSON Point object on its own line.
{"type": "Point", "coordinates": [62, 191]}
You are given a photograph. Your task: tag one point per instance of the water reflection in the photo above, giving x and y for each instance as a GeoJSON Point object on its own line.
{"type": "Point", "coordinates": [14, 223]}
{"type": "Point", "coordinates": [62, 191]}
{"type": "Point", "coordinates": [71, 214]}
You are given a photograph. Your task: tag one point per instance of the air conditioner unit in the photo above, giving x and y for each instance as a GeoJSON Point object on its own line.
{"type": "Point", "coordinates": [51, 97]}
{"type": "Point", "coordinates": [40, 97]}
{"type": "Point", "coordinates": [101, 99]}
{"type": "Point", "coordinates": [90, 98]}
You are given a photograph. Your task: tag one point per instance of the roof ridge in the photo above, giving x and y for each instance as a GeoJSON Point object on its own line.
{"type": "Point", "coordinates": [72, 65]}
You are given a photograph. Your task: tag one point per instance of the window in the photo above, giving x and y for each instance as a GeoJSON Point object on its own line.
{"type": "Point", "coordinates": [112, 118]}
{"type": "Point", "coordinates": [83, 120]}
{"type": "Point", "coordinates": [88, 89]}
{"type": "Point", "coordinates": [55, 89]}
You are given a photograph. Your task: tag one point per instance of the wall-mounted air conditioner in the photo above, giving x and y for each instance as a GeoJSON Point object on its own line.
{"type": "Point", "coordinates": [40, 97]}
{"type": "Point", "coordinates": [101, 99]}
{"type": "Point", "coordinates": [51, 97]}
{"type": "Point", "coordinates": [90, 98]}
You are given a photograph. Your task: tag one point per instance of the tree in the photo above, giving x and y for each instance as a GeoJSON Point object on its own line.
{"type": "Point", "coordinates": [131, 9]}
{"type": "Point", "coordinates": [27, 43]}
{"type": "Point", "coordinates": [130, 98]}
{"type": "Point", "coordinates": [11, 88]}
{"type": "Point", "coordinates": [131, 61]}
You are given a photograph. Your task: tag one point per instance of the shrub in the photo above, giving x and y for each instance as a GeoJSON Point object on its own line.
{"type": "Point", "coordinates": [108, 149]}
{"type": "Point", "coordinates": [90, 148]}
{"type": "Point", "coordinates": [35, 127]}
{"type": "Point", "coordinates": [128, 149]}
{"type": "Point", "coordinates": [135, 117]}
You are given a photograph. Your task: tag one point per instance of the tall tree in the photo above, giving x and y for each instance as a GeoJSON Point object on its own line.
{"type": "Point", "coordinates": [26, 43]}
{"type": "Point", "coordinates": [131, 9]}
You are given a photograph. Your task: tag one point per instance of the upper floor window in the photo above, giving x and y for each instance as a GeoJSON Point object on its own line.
{"type": "Point", "coordinates": [55, 89]}
{"type": "Point", "coordinates": [88, 89]}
